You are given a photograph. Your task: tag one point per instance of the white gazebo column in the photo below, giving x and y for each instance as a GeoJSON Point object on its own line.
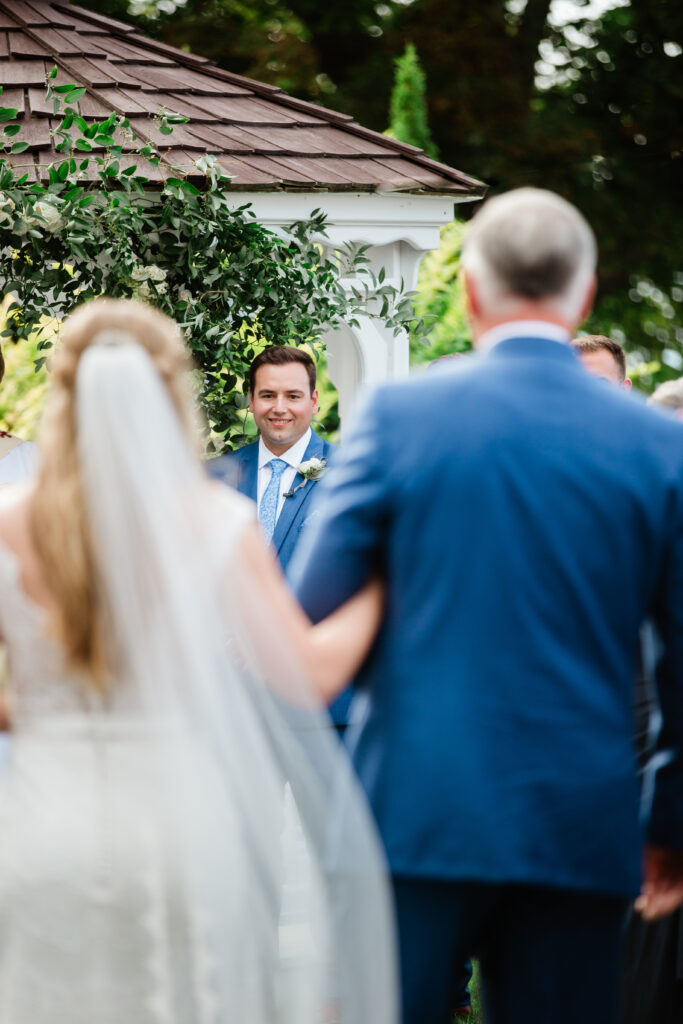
{"type": "Point", "coordinates": [370, 352]}
{"type": "Point", "coordinates": [400, 229]}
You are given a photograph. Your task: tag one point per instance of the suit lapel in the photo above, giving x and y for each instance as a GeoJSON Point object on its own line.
{"type": "Point", "coordinates": [292, 505]}
{"type": "Point", "coordinates": [248, 478]}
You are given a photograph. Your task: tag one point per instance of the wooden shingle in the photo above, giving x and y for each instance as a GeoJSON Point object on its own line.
{"type": "Point", "coordinates": [263, 138]}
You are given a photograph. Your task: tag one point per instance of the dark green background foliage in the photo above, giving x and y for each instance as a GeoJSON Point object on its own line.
{"type": "Point", "coordinates": [605, 129]}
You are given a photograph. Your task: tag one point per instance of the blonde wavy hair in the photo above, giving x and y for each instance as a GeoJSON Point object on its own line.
{"type": "Point", "coordinates": [59, 520]}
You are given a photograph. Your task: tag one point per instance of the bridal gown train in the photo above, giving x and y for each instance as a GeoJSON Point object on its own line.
{"type": "Point", "coordinates": [98, 922]}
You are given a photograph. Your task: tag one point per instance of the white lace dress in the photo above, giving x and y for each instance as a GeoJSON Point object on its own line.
{"type": "Point", "coordinates": [96, 926]}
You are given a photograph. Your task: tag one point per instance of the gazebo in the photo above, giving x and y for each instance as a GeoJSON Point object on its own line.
{"type": "Point", "coordinates": [285, 156]}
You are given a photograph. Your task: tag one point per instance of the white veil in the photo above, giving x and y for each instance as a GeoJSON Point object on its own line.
{"type": "Point", "coordinates": [278, 902]}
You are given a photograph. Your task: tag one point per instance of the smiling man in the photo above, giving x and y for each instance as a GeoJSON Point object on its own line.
{"type": "Point", "coordinates": [283, 399]}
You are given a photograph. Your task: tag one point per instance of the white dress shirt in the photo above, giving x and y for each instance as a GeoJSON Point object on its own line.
{"type": "Point", "coordinates": [522, 329]}
{"type": "Point", "coordinates": [294, 456]}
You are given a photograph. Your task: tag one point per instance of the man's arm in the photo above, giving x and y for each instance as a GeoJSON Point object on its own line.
{"type": "Point", "coordinates": [342, 548]}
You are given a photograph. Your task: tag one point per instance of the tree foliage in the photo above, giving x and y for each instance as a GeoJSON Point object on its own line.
{"type": "Point", "coordinates": [441, 299]}
{"type": "Point", "coordinates": [591, 109]}
{"type": "Point", "coordinates": [408, 109]}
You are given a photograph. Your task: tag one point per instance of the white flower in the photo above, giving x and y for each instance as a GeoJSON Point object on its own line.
{"type": "Point", "coordinates": [143, 291]}
{"type": "Point", "coordinates": [312, 469]}
{"type": "Point", "coordinates": [47, 215]}
{"type": "Point", "coordinates": [156, 273]}
{"type": "Point", "coordinates": [161, 288]}
{"type": "Point", "coordinates": [7, 207]}
{"type": "Point", "coordinates": [139, 274]}
{"type": "Point", "coordinates": [184, 295]}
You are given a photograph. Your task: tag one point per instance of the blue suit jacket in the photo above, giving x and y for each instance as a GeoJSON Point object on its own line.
{"type": "Point", "coordinates": [240, 469]}
{"type": "Point", "coordinates": [527, 518]}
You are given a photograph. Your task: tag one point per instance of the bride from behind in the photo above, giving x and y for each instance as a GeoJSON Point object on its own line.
{"type": "Point", "coordinates": [182, 838]}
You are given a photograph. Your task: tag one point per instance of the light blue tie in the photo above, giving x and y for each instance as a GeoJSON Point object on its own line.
{"type": "Point", "coordinates": [267, 512]}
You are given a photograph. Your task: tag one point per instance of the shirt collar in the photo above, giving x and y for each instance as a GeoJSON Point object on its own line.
{"type": "Point", "coordinates": [523, 329]}
{"type": "Point", "coordinates": [294, 456]}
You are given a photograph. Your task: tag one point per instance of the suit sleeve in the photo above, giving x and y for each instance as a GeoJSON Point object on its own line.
{"type": "Point", "coordinates": [343, 547]}
{"type": "Point", "coordinates": [666, 821]}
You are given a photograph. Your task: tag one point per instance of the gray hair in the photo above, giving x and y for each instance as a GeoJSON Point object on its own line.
{"type": "Point", "coordinates": [530, 245]}
{"type": "Point", "coordinates": [669, 394]}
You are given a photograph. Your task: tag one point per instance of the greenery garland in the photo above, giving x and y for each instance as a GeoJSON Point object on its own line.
{"type": "Point", "coordinates": [232, 284]}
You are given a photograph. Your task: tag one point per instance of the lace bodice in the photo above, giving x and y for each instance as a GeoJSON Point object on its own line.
{"type": "Point", "coordinates": [41, 685]}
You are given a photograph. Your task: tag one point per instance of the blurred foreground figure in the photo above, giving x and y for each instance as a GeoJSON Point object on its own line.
{"type": "Point", "coordinates": [669, 396]}
{"type": "Point", "coordinates": [652, 976]}
{"type": "Point", "coordinates": [527, 519]}
{"type": "Point", "coordinates": [142, 871]}
{"type": "Point", "coordinates": [18, 460]}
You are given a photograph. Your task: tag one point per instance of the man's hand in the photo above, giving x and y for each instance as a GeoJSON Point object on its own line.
{"type": "Point", "coordinates": [662, 890]}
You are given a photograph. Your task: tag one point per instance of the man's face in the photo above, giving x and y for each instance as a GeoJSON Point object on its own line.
{"type": "Point", "coordinates": [282, 404]}
{"type": "Point", "coordinates": [602, 364]}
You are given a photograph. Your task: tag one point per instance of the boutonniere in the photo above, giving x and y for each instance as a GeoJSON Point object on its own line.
{"type": "Point", "coordinates": [312, 469]}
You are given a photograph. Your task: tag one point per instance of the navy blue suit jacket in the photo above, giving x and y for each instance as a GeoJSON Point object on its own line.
{"type": "Point", "coordinates": [527, 518]}
{"type": "Point", "coordinates": [240, 469]}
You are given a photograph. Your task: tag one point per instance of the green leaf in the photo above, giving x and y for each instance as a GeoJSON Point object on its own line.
{"type": "Point", "coordinates": [53, 73]}
{"type": "Point", "coordinates": [12, 129]}
{"type": "Point", "coordinates": [83, 145]}
{"type": "Point", "coordinates": [66, 88]}
{"type": "Point", "coordinates": [19, 147]}
{"type": "Point", "coordinates": [8, 113]}
{"type": "Point", "coordinates": [75, 95]}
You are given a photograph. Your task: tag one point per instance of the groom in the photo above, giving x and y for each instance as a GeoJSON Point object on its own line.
{"type": "Point", "coordinates": [283, 399]}
{"type": "Point", "coordinates": [526, 520]}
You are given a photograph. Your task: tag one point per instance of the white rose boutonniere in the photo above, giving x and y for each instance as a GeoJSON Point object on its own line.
{"type": "Point", "coordinates": [312, 469]}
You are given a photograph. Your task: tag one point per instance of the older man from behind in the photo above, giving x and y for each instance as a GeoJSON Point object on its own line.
{"type": "Point", "coordinates": [526, 520]}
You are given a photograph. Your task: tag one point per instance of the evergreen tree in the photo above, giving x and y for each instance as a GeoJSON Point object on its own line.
{"type": "Point", "coordinates": [409, 105]}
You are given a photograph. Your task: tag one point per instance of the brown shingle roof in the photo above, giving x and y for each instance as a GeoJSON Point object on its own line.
{"type": "Point", "coordinates": [264, 138]}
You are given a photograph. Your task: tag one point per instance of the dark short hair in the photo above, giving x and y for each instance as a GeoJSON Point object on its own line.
{"type": "Point", "coordinates": [601, 343]}
{"type": "Point", "coordinates": [280, 355]}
